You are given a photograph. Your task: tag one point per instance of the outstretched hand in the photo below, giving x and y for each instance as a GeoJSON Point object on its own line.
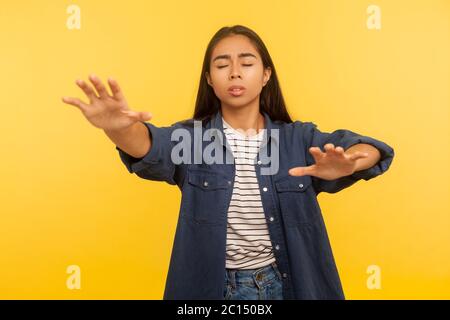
{"type": "Point", "coordinates": [331, 164]}
{"type": "Point", "coordinates": [104, 110]}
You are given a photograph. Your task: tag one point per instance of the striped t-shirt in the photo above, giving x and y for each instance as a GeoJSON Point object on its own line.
{"type": "Point", "coordinates": [248, 241]}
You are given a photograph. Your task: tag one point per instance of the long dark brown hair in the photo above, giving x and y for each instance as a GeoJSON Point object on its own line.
{"type": "Point", "coordinates": [271, 99]}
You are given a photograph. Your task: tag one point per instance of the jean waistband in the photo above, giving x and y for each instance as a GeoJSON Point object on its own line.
{"type": "Point", "coordinates": [259, 275]}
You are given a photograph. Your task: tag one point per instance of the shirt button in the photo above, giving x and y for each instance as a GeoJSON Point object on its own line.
{"type": "Point", "coordinates": [259, 162]}
{"type": "Point", "coordinates": [205, 183]}
{"type": "Point", "coordinates": [301, 185]}
{"type": "Point", "coordinates": [229, 182]}
{"type": "Point", "coordinates": [277, 247]}
{"type": "Point", "coordinates": [271, 218]}
{"type": "Point", "coordinates": [284, 275]}
{"type": "Point", "coordinates": [264, 189]}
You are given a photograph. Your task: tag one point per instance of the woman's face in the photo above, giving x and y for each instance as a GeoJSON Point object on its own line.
{"type": "Point", "coordinates": [236, 62]}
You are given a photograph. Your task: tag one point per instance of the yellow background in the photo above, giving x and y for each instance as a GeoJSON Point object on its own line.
{"type": "Point", "coordinates": [68, 200]}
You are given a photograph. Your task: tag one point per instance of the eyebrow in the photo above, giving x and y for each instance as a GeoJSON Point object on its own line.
{"type": "Point", "coordinates": [241, 55]}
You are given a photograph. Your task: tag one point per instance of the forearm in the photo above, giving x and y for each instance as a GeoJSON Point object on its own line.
{"type": "Point", "coordinates": [365, 163]}
{"type": "Point", "coordinates": [134, 140]}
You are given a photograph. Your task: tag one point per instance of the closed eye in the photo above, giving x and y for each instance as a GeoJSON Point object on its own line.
{"type": "Point", "coordinates": [245, 65]}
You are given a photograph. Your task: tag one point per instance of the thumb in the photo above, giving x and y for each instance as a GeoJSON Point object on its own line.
{"type": "Point", "coordinates": [145, 116]}
{"type": "Point", "coordinates": [138, 115]}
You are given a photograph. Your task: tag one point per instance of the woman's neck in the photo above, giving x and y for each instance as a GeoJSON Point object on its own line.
{"type": "Point", "coordinates": [248, 120]}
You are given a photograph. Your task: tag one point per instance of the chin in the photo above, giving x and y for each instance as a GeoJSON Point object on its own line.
{"type": "Point", "coordinates": [237, 103]}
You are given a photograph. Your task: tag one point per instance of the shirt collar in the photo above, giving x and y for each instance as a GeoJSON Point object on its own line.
{"type": "Point", "coordinates": [217, 123]}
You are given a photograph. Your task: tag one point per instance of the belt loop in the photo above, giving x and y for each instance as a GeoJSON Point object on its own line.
{"type": "Point", "coordinates": [275, 267]}
{"type": "Point", "coordinates": [233, 278]}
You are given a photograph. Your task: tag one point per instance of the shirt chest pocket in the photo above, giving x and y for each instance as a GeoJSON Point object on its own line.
{"type": "Point", "coordinates": [297, 199]}
{"type": "Point", "coordinates": [204, 197]}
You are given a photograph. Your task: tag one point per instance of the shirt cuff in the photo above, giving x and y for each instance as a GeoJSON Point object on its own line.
{"type": "Point", "coordinates": [386, 157]}
{"type": "Point", "coordinates": [153, 155]}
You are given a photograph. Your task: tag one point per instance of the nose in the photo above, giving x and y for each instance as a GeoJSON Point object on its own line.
{"type": "Point", "coordinates": [235, 75]}
{"type": "Point", "coordinates": [235, 72]}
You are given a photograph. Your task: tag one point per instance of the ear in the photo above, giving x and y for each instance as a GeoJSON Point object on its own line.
{"type": "Point", "coordinates": [208, 78]}
{"type": "Point", "coordinates": [267, 74]}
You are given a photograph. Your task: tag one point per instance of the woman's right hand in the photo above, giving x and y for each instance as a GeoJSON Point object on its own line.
{"type": "Point", "coordinates": [105, 111]}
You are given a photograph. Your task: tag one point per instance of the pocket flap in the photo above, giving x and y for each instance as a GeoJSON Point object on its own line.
{"type": "Point", "coordinates": [292, 183]}
{"type": "Point", "coordinates": [207, 181]}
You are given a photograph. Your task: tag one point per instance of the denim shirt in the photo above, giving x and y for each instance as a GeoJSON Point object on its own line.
{"type": "Point", "coordinates": [296, 226]}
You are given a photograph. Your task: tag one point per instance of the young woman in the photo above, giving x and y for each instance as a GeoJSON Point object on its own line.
{"type": "Point", "coordinates": [252, 228]}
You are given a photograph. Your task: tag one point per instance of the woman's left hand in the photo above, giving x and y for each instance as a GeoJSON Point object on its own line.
{"type": "Point", "coordinates": [331, 164]}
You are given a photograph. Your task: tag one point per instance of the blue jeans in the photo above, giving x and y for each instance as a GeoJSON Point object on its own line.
{"type": "Point", "coordinates": [256, 284]}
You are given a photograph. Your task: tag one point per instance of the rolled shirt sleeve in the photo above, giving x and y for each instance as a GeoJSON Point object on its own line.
{"type": "Point", "coordinates": [345, 138]}
{"type": "Point", "coordinates": [156, 164]}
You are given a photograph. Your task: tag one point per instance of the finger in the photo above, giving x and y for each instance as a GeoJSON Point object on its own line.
{"type": "Point", "coordinates": [115, 89]}
{"type": "Point", "coordinates": [316, 152]}
{"type": "Point", "coordinates": [101, 90]}
{"type": "Point", "coordinates": [75, 102]}
{"type": "Point", "coordinates": [87, 89]}
{"type": "Point", "coordinates": [331, 150]}
{"type": "Point", "coordinates": [302, 171]}
{"type": "Point", "coordinates": [339, 150]}
{"type": "Point", "coordinates": [329, 147]}
{"type": "Point", "coordinates": [358, 155]}
{"type": "Point", "coordinates": [137, 115]}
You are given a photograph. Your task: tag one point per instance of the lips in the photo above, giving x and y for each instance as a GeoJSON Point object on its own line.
{"type": "Point", "coordinates": [236, 90]}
